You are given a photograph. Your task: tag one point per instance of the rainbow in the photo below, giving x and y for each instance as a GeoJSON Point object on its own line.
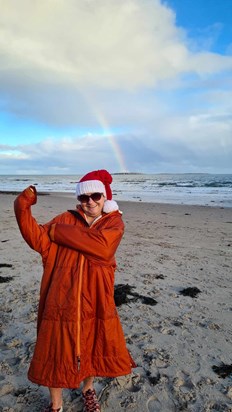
{"type": "Point", "coordinates": [118, 153]}
{"type": "Point", "coordinates": [107, 133]}
{"type": "Point", "coordinates": [115, 146]}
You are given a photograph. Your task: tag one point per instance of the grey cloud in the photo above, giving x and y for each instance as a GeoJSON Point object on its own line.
{"type": "Point", "coordinates": [141, 153]}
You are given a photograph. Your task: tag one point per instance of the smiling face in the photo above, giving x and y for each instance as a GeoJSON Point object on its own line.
{"type": "Point", "coordinates": [92, 208]}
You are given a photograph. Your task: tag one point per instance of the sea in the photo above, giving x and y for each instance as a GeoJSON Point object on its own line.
{"type": "Point", "coordinates": [187, 189]}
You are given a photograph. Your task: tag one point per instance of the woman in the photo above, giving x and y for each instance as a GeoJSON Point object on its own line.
{"type": "Point", "coordinates": [79, 331]}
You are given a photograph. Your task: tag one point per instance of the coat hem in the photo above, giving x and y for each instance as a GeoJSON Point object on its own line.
{"type": "Point", "coordinates": [77, 384]}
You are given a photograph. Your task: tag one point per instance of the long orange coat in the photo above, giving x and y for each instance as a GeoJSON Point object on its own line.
{"type": "Point", "coordinates": [79, 331]}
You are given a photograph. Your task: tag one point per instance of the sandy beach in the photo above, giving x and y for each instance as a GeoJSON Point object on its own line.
{"type": "Point", "coordinates": [176, 262]}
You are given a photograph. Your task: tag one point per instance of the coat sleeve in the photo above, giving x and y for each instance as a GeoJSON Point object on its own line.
{"type": "Point", "coordinates": [100, 244]}
{"type": "Point", "coordinates": [34, 234]}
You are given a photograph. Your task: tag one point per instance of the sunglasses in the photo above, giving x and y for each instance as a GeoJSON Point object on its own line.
{"type": "Point", "coordinates": [94, 196]}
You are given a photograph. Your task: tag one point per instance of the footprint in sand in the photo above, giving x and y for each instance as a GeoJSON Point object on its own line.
{"type": "Point", "coordinates": [153, 404]}
{"type": "Point", "coordinates": [184, 388]}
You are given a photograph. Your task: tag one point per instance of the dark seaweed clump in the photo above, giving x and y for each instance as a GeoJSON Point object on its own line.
{"type": "Point", "coordinates": [125, 294]}
{"type": "Point", "coordinates": [153, 379]}
{"type": "Point", "coordinates": [223, 370]}
{"type": "Point", "coordinates": [159, 276]}
{"type": "Point", "coordinates": [192, 292]}
{"type": "Point", "coordinates": [5, 279]}
{"type": "Point", "coordinates": [5, 265]}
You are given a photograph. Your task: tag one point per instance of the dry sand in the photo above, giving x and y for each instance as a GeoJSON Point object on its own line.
{"type": "Point", "coordinates": [176, 343]}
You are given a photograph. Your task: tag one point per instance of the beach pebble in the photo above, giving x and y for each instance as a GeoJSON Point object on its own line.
{"type": "Point", "coordinates": [6, 388]}
{"type": "Point", "coordinates": [209, 381]}
{"type": "Point", "coordinates": [178, 382]}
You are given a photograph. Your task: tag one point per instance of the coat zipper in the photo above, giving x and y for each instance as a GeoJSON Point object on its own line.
{"type": "Point", "coordinates": [78, 355]}
{"type": "Point", "coordinates": [79, 313]}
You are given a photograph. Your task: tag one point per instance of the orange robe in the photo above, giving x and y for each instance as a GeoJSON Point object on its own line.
{"type": "Point", "coordinates": [79, 331]}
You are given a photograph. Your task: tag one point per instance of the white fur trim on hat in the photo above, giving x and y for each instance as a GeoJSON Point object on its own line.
{"type": "Point", "coordinates": [110, 206]}
{"type": "Point", "coordinates": [90, 186]}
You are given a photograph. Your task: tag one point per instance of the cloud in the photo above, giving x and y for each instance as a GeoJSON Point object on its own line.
{"type": "Point", "coordinates": [105, 43]}
{"type": "Point", "coordinates": [107, 65]}
{"type": "Point", "coordinates": [61, 60]}
{"type": "Point", "coordinates": [66, 155]}
{"type": "Point", "coordinates": [199, 142]}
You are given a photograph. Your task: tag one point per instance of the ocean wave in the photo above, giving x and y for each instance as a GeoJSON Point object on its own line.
{"type": "Point", "coordinates": [174, 188]}
{"type": "Point", "coordinates": [219, 184]}
{"type": "Point", "coordinates": [195, 184]}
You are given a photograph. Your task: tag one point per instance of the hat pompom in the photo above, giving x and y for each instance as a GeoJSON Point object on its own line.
{"type": "Point", "coordinates": [110, 206]}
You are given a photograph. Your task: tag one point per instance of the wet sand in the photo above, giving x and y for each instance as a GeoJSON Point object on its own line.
{"type": "Point", "coordinates": [174, 273]}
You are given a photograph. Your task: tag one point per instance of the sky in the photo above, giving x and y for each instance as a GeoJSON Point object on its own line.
{"type": "Point", "coordinates": [128, 85]}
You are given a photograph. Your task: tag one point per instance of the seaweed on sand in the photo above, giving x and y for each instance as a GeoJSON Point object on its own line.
{"type": "Point", "coordinates": [5, 279]}
{"type": "Point", "coordinates": [223, 370]}
{"type": "Point", "coordinates": [121, 293]}
{"type": "Point", "coordinates": [192, 292]}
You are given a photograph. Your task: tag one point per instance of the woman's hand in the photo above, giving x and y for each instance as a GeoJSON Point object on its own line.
{"type": "Point", "coordinates": [32, 189]}
{"type": "Point", "coordinates": [31, 193]}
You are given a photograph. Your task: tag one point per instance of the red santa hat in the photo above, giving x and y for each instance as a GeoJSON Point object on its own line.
{"type": "Point", "coordinates": [98, 181]}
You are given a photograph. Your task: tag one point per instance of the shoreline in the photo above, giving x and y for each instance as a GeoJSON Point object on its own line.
{"type": "Point", "coordinates": [70, 195]}
{"type": "Point", "coordinates": [179, 344]}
